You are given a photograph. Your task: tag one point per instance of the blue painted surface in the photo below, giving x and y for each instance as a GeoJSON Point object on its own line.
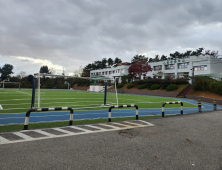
{"type": "Point", "coordinates": [19, 118]}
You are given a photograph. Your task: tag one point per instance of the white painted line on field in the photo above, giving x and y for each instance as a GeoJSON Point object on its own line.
{"type": "Point", "coordinates": [1, 108]}
{"type": "Point", "coordinates": [23, 93]}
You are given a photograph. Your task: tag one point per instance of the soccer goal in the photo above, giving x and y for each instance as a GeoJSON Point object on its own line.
{"type": "Point", "coordinates": [96, 96]}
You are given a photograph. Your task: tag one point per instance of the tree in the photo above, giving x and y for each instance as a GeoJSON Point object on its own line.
{"type": "Point", "coordinates": [163, 57]}
{"type": "Point", "coordinates": [139, 58]}
{"type": "Point", "coordinates": [213, 53]}
{"type": "Point", "coordinates": [157, 58]}
{"type": "Point", "coordinates": [104, 61]}
{"type": "Point", "coordinates": [21, 75]}
{"type": "Point", "coordinates": [117, 61]}
{"type": "Point", "coordinates": [44, 69]}
{"type": "Point", "coordinates": [5, 71]}
{"type": "Point", "coordinates": [139, 68]}
{"type": "Point", "coordinates": [110, 62]}
{"type": "Point", "coordinates": [30, 78]}
{"type": "Point", "coordinates": [151, 60]}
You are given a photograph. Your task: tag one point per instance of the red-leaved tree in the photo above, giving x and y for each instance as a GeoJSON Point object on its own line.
{"type": "Point", "coordinates": [139, 68]}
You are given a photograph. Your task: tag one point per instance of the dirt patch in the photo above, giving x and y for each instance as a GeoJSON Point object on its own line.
{"type": "Point", "coordinates": [205, 94]}
{"type": "Point", "coordinates": [80, 87]}
{"type": "Point", "coordinates": [180, 88]}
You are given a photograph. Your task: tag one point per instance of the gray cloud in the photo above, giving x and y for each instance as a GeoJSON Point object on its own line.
{"type": "Point", "coordinates": [70, 33]}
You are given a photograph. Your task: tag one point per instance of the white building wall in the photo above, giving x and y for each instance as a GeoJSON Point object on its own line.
{"type": "Point", "coordinates": [214, 65]}
{"type": "Point", "coordinates": [116, 72]}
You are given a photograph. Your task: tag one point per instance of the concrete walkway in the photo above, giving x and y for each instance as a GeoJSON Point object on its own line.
{"type": "Point", "coordinates": [191, 141]}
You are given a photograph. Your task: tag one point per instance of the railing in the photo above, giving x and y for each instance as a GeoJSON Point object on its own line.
{"type": "Point", "coordinates": [181, 111]}
{"type": "Point", "coordinates": [46, 109]}
{"type": "Point", "coordinates": [121, 106]}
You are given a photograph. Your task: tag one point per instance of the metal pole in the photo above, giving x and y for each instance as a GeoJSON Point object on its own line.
{"type": "Point", "coordinates": [38, 90]}
{"type": "Point", "coordinates": [215, 104]}
{"type": "Point", "coordinates": [199, 105]}
{"type": "Point", "coordinates": [105, 92]}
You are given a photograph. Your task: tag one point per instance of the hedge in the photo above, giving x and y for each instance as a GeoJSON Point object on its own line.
{"type": "Point", "coordinates": [207, 84]}
{"type": "Point", "coordinates": [130, 86]}
{"type": "Point", "coordinates": [155, 87]}
{"type": "Point", "coordinates": [143, 86]}
{"type": "Point", "coordinates": [171, 87]}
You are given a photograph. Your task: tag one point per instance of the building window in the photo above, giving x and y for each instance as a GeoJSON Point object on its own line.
{"type": "Point", "coordinates": [200, 68]}
{"type": "Point", "coordinates": [113, 71]}
{"type": "Point", "coordinates": [157, 68]}
{"type": "Point", "coordinates": [183, 65]}
{"type": "Point", "coordinates": [170, 67]}
{"type": "Point", "coordinates": [102, 73]}
{"type": "Point", "coordinates": [110, 72]}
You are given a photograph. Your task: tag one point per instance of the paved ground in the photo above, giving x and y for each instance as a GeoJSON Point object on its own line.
{"type": "Point", "coordinates": [19, 118]}
{"type": "Point", "coordinates": [192, 141]}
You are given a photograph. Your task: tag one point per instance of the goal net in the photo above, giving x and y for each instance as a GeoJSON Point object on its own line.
{"type": "Point", "coordinates": [51, 91]}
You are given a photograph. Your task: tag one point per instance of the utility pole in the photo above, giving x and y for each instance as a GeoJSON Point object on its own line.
{"type": "Point", "coordinates": [192, 75]}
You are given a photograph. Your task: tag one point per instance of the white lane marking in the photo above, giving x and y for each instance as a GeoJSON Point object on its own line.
{"type": "Point", "coordinates": [96, 127]}
{"type": "Point", "coordinates": [67, 133]}
{"type": "Point", "coordinates": [45, 133]}
{"type": "Point", "coordinates": [114, 127]}
{"type": "Point", "coordinates": [62, 130]}
{"type": "Point", "coordinates": [1, 108]}
{"type": "Point", "coordinates": [150, 124]}
{"type": "Point", "coordinates": [132, 123]}
{"type": "Point", "coordinates": [78, 128]}
{"type": "Point", "coordinates": [23, 135]}
{"type": "Point", "coordinates": [3, 140]}
{"type": "Point", "coordinates": [119, 124]}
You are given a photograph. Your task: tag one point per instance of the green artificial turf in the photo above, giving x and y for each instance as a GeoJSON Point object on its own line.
{"type": "Point", "coordinates": [19, 101]}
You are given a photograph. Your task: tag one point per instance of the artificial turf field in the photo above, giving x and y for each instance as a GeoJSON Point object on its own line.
{"type": "Point", "coordinates": [19, 101]}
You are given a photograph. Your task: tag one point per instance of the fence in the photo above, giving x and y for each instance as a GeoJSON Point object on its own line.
{"type": "Point", "coordinates": [121, 106]}
{"type": "Point", "coordinates": [46, 109]}
{"type": "Point", "coordinates": [181, 111]}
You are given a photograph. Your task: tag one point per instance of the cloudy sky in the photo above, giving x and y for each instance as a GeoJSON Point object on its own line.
{"type": "Point", "coordinates": [72, 33]}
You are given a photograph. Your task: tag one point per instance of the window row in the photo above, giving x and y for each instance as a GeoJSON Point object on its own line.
{"type": "Point", "coordinates": [108, 72]}
{"type": "Point", "coordinates": [200, 68]}
{"type": "Point", "coordinates": [171, 66]}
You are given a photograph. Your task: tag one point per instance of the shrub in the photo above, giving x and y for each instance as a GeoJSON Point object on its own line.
{"type": "Point", "coordinates": [171, 87]}
{"type": "Point", "coordinates": [155, 87]}
{"type": "Point", "coordinates": [180, 81]}
{"type": "Point", "coordinates": [119, 86]}
{"type": "Point", "coordinates": [140, 82]}
{"type": "Point", "coordinates": [165, 83]}
{"type": "Point", "coordinates": [130, 86]}
{"type": "Point", "coordinates": [124, 82]}
{"type": "Point", "coordinates": [143, 86]}
{"type": "Point", "coordinates": [149, 83]}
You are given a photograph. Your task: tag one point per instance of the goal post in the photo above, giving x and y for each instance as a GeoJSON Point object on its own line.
{"type": "Point", "coordinates": [107, 100]}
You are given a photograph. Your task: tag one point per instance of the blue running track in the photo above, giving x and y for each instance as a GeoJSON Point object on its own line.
{"type": "Point", "coordinates": [19, 118]}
